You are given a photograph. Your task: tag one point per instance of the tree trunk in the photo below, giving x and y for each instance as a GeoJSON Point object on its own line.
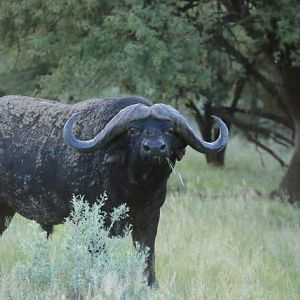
{"type": "Point", "coordinates": [290, 184]}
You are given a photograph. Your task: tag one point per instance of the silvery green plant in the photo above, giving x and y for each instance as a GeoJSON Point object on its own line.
{"type": "Point", "coordinates": [86, 262]}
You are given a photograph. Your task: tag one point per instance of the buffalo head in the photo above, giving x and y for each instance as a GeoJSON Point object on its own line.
{"type": "Point", "coordinates": [156, 133]}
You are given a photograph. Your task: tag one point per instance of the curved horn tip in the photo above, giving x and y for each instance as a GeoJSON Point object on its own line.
{"type": "Point", "coordinates": [223, 131]}
{"type": "Point", "coordinates": [69, 123]}
{"type": "Point", "coordinates": [75, 116]}
{"type": "Point", "coordinates": [68, 131]}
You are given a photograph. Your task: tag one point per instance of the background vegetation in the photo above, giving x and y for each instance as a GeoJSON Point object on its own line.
{"type": "Point", "coordinates": [238, 57]}
{"type": "Point", "coordinates": [221, 235]}
{"type": "Point", "coordinates": [217, 239]}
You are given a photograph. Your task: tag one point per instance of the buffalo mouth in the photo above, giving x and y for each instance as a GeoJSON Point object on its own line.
{"type": "Point", "coordinates": [155, 159]}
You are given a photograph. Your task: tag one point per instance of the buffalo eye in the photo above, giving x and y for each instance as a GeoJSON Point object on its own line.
{"type": "Point", "coordinates": [133, 131]}
{"type": "Point", "coordinates": [169, 131]}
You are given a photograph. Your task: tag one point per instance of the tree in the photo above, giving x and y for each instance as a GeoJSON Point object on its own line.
{"type": "Point", "coordinates": [258, 39]}
{"type": "Point", "coordinates": [241, 56]}
{"type": "Point", "coordinates": [272, 30]}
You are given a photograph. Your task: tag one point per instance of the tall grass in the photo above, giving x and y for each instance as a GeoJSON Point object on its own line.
{"type": "Point", "coordinates": [217, 239]}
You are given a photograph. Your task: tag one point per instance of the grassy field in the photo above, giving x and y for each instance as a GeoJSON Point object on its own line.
{"type": "Point", "coordinates": [217, 238]}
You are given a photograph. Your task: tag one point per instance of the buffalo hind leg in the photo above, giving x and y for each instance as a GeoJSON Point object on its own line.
{"type": "Point", "coordinates": [145, 237]}
{"type": "Point", "coordinates": [6, 214]}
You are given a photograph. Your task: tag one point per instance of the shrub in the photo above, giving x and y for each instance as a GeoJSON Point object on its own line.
{"type": "Point", "coordinates": [85, 263]}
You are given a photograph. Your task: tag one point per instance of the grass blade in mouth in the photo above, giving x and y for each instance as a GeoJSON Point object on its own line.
{"type": "Point", "coordinates": [177, 174]}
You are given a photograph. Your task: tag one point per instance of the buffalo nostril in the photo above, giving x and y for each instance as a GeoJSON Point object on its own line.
{"type": "Point", "coordinates": [163, 147]}
{"type": "Point", "coordinates": [146, 147]}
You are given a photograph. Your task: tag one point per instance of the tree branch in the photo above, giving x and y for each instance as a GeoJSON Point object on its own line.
{"type": "Point", "coordinates": [189, 4]}
{"type": "Point", "coordinates": [269, 133]}
{"type": "Point", "coordinates": [265, 148]}
{"type": "Point", "coordinates": [238, 91]}
{"type": "Point", "coordinates": [198, 115]}
{"type": "Point", "coordinates": [249, 66]}
{"type": "Point", "coordinates": [239, 12]}
{"type": "Point", "coordinates": [263, 114]}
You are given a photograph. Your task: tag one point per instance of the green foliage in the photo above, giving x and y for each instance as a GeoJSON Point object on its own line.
{"type": "Point", "coordinates": [168, 50]}
{"type": "Point", "coordinates": [165, 50]}
{"type": "Point", "coordinates": [84, 264]}
{"type": "Point", "coordinates": [89, 47]}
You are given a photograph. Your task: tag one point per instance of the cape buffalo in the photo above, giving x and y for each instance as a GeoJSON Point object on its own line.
{"type": "Point", "coordinates": [124, 146]}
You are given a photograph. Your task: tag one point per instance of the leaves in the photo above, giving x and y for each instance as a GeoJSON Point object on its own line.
{"type": "Point", "coordinates": [166, 50]}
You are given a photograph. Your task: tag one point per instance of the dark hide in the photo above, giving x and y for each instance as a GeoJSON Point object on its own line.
{"type": "Point", "coordinates": [39, 172]}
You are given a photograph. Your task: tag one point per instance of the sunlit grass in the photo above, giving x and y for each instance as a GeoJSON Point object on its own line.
{"type": "Point", "coordinates": [217, 238]}
{"type": "Point", "coordinates": [229, 247]}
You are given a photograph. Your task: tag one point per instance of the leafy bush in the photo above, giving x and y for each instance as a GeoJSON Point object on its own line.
{"type": "Point", "coordinates": [86, 263]}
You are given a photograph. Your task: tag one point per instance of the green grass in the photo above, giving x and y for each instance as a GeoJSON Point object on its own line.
{"type": "Point", "coordinates": [245, 168]}
{"type": "Point", "coordinates": [217, 239]}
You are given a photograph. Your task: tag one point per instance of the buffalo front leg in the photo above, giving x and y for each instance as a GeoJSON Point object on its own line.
{"type": "Point", "coordinates": [6, 214]}
{"type": "Point", "coordinates": [48, 228]}
{"type": "Point", "coordinates": [145, 237]}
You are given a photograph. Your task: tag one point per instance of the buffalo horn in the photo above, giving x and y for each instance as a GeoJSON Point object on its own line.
{"type": "Point", "coordinates": [118, 125]}
{"type": "Point", "coordinates": [115, 127]}
{"type": "Point", "coordinates": [189, 136]}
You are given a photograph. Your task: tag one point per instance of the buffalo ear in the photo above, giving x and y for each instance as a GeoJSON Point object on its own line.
{"type": "Point", "coordinates": [179, 153]}
{"type": "Point", "coordinates": [179, 147]}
